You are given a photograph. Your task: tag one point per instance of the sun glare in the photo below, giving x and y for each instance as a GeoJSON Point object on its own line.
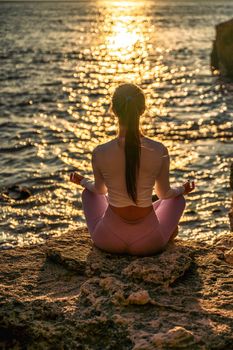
{"type": "Point", "coordinates": [122, 37]}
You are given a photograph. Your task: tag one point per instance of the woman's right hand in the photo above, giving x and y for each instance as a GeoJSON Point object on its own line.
{"type": "Point", "coordinates": [76, 178]}
{"type": "Point", "coordinates": [188, 187]}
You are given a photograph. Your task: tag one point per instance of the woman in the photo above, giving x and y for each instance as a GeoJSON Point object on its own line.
{"type": "Point", "coordinates": [118, 207]}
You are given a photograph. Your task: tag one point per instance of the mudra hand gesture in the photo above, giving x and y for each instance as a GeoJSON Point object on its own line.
{"type": "Point", "coordinates": [76, 178]}
{"type": "Point", "coordinates": [189, 187]}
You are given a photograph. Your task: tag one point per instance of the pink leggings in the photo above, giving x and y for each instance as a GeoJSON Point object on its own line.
{"type": "Point", "coordinates": [145, 236]}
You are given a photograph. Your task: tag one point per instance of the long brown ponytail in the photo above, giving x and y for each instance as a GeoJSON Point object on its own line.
{"type": "Point", "coordinates": [128, 103]}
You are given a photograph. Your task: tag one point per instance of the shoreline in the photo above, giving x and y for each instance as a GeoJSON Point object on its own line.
{"type": "Point", "coordinates": [70, 294]}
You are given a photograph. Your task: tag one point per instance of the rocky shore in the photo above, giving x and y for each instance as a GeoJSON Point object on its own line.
{"type": "Point", "coordinates": [67, 294]}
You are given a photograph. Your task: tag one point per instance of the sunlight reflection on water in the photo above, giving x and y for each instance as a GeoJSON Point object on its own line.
{"type": "Point", "coordinates": [55, 105]}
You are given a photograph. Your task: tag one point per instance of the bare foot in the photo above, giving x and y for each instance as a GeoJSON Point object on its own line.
{"type": "Point", "coordinates": [174, 234]}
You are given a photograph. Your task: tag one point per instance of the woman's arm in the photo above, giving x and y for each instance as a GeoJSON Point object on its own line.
{"type": "Point", "coordinates": [96, 186]}
{"type": "Point", "coordinates": [162, 186]}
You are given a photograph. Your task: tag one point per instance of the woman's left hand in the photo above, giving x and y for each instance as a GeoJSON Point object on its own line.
{"type": "Point", "coordinates": [76, 178]}
{"type": "Point", "coordinates": [188, 187]}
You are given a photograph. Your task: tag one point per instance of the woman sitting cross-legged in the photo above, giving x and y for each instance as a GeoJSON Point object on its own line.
{"type": "Point", "coordinates": [118, 207]}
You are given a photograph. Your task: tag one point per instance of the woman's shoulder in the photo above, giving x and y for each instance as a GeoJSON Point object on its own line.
{"type": "Point", "coordinates": [102, 147]}
{"type": "Point", "coordinates": [155, 145]}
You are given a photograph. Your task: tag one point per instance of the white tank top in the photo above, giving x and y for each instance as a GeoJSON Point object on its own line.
{"type": "Point", "coordinates": [108, 162]}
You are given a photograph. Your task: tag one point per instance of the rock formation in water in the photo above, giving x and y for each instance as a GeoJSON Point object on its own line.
{"type": "Point", "coordinates": [222, 53]}
{"type": "Point", "coordinates": [16, 192]}
{"type": "Point", "coordinates": [67, 294]}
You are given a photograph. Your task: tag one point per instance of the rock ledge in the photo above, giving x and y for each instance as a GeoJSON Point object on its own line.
{"type": "Point", "coordinates": [67, 294]}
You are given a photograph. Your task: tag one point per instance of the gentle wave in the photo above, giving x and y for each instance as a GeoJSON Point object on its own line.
{"type": "Point", "coordinates": [59, 68]}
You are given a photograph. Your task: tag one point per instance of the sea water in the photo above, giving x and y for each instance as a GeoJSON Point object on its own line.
{"type": "Point", "coordinates": [60, 63]}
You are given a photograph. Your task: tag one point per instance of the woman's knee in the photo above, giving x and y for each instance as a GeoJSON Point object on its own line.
{"type": "Point", "coordinates": [86, 193]}
{"type": "Point", "coordinates": [178, 201]}
{"type": "Point", "coordinates": [181, 200]}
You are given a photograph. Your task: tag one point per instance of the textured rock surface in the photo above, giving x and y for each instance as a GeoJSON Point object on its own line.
{"type": "Point", "coordinates": [222, 54]}
{"type": "Point", "coordinates": [231, 210]}
{"type": "Point", "coordinates": [69, 295]}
